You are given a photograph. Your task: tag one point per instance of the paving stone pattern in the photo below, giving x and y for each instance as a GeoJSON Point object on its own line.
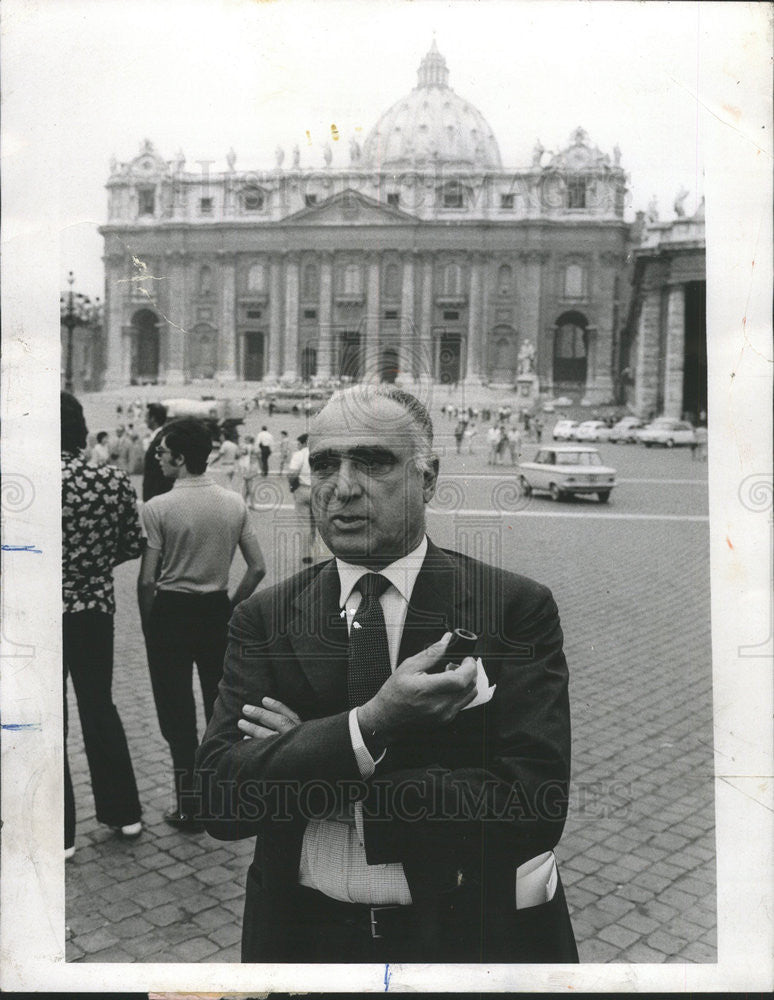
{"type": "Point", "coordinates": [637, 855]}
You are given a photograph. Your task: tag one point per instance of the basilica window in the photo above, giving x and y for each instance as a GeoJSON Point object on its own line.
{"type": "Point", "coordinates": [506, 201]}
{"type": "Point", "coordinates": [393, 199]}
{"type": "Point", "coordinates": [391, 281]}
{"type": "Point", "coordinates": [252, 199]}
{"type": "Point", "coordinates": [309, 284]}
{"type": "Point", "coordinates": [504, 280]}
{"type": "Point", "coordinates": [146, 201]}
{"type": "Point", "coordinates": [256, 278]}
{"type": "Point", "coordinates": [453, 196]}
{"type": "Point", "coordinates": [452, 279]}
{"type": "Point", "coordinates": [352, 279]}
{"type": "Point", "coordinates": [574, 281]}
{"type": "Point", "coordinates": [310, 199]}
{"type": "Point", "coordinates": [576, 192]}
{"type": "Point", "coordinates": [205, 206]}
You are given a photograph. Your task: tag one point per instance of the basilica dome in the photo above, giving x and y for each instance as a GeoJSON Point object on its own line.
{"type": "Point", "coordinates": [432, 126]}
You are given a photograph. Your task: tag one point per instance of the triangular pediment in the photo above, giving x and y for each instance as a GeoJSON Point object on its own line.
{"type": "Point", "coordinates": [350, 208]}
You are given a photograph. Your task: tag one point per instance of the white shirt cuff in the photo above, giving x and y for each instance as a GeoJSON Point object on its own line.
{"type": "Point", "coordinates": [365, 762]}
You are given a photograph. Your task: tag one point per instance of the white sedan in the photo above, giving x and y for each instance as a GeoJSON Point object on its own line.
{"type": "Point", "coordinates": [592, 430]}
{"type": "Point", "coordinates": [565, 469]}
{"type": "Point", "coordinates": [668, 432]}
{"type": "Point", "coordinates": [564, 430]}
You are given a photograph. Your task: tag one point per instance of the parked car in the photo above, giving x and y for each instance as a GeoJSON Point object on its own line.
{"type": "Point", "coordinates": [625, 430]}
{"type": "Point", "coordinates": [566, 469]}
{"type": "Point", "coordinates": [564, 430]}
{"type": "Point", "coordinates": [668, 432]}
{"type": "Point", "coordinates": [592, 430]}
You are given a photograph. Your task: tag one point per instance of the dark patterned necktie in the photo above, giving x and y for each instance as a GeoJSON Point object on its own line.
{"type": "Point", "coordinates": [369, 652]}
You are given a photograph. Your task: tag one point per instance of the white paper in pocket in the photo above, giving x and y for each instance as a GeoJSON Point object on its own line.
{"type": "Point", "coordinates": [483, 691]}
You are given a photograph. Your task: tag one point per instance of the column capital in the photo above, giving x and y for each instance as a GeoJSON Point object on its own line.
{"type": "Point", "coordinates": [373, 257]}
{"type": "Point", "coordinates": [533, 256]}
{"type": "Point", "coordinates": [292, 257]}
{"type": "Point", "coordinates": [176, 256]}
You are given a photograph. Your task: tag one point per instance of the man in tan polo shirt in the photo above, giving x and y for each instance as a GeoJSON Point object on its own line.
{"type": "Point", "coordinates": [193, 532]}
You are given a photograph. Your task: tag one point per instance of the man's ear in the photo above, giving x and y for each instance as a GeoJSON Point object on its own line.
{"type": "Point", "coordinates": [430, 478]}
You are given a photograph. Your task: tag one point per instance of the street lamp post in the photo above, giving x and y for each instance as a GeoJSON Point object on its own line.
{"type": "Point", "coordinates": [75, 309]}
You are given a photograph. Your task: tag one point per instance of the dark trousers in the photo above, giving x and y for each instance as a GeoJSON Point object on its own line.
{"type": "Point", "coordinates": [265, 451]}
{"type": "Point", "coordinates": [87, 646]}
{"type": "Point", "coordinates": [184, 629]}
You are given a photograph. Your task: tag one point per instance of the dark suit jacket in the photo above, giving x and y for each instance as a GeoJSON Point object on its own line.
{"type": "Point", "coordinates": [461, 806]}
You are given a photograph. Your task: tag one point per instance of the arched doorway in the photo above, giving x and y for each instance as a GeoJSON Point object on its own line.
{"type": "Point", "coordinates": [390, 365]}
{"type": "Point", "coordinates": [449, 358]}
{"type": "Point", "coordinates": [571, 347]}
{"type": "Point", "coordinates": [145, 347]}
{"type": "Point", "coordinates": [308, 362]}
{"type": "Point", "coordinates": [349, 355]}
{"type": "Point", "coordinates": [503, 358]}
{"type": "Point", "coordinates": [202, 351]}
{"type": "Point", "coordinates": [252, 357]}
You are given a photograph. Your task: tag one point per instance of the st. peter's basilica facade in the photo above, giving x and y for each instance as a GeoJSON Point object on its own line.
{"type": "Point", "coordinates": [424, 258]}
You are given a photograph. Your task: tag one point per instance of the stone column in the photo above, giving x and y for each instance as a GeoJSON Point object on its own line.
{"type": "Point", "coordinates": [408, 362]}
{"type": "Point", "coordinates": [175, 317]}
{"type": "Point", "coordinates": [325, 357]}
{"type": "Point", "coordinates": [290, 341]}
{"type": "Point", "coordinates": [428, 365]}
{"type": "Point", "coordinates": [275, 319]}
{"type": "Point", "coordinates": [599, 371]}
{"type": "Point", "coordinates": [371, 353]}
{"type": "Point", "coordinates": [115, 292]}
{"type": "Point", "coordinates": [471, 376]}
{"type": "Point", "coordinates": [227, 364]}
{"type": "Point", "coordinates": [128, 334]}
{"type": "Point", "coordinates": [646, 374]}
{"type": "Point", "coordinates": [529, 324]}
{"type": "Point", "coordinates": [675, 352]}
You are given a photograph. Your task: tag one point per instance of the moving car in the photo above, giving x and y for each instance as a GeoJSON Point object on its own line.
{"type": "Point", "coordinates": [564, 430]}
{"type": "Point", "coordinates": [668, 432]}
{"type": "Point", "coordinates": [592, 430]}
{"type": "Point", "coordinates": [566, 469]}
{"type": "Point", "coordinates": [626, 430]}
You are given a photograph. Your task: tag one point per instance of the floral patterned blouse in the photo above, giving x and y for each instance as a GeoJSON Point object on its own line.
{"type": "Point", "coordinates": [100, 529]}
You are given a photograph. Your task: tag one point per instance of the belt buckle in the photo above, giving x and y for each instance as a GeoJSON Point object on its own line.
{"type": "Point", "coordinates": [375, 920]}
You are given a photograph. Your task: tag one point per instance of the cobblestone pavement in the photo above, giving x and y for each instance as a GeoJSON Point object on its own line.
{"type": "Point", "coordinates": [637, 855]}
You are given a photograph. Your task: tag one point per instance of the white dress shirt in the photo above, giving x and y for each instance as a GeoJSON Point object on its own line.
{"type": "Point", "coordinates": [333, 858]}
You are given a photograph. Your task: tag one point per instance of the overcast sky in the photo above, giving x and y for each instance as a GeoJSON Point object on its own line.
{"type": "Point", "coordinates": [211, 74]}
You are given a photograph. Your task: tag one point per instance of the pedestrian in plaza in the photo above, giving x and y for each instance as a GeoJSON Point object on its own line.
{"type": "Point", "coordinates": [470, 434]}
{"type": "Point", "coordinates": [300, 483]}
{"type": "Point", "coordinates": [492, 443]}
{"type": "Point", "coordinates": [284, 451]}
{"type": "Point", "coordinates": [248, 468]}
{"type": "Point", "coordinates": [538, 425]}
{"type": "Point", "coordinates": [265, 442]}
{"type": "Point", "coordinates": [459, 434]}
{"type": "Point", "coordinates": [502, 443]}
{"type": "Point", "coordinates": [514, 443]}
{"type": "Point", "coordinates": [100, 453]}
{"type": "Point", "coordinates": [100, 530]}
{"type": "Point", "coordinates": [192, 534]}
{"type": "Point", "coordinates": [154, 481]}
{"type": "Point", "coordinates": [336, 677]}
{"type": "Point", "coordinates": [120, 449]}
{"type": "Point", "coordinates": [228, 453]}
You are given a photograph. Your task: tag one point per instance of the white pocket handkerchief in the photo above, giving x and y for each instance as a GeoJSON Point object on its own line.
{"type": "Point", "coordinates": [483, 691]}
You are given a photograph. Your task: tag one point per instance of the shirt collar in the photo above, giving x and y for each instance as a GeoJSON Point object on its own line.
{"type": "Point", "coordinates": [402, 573]}
{"type": "Point", "coordinates": [203, 480]}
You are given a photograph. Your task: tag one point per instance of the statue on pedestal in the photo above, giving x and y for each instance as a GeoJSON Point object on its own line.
{"type": "Point", "coordinates": [537, 153]}
{"type": "Point", "coordinates": [527, 358]}
{"type": "Point", "coordinates": [231, 159]}
{"type": "Point", "coordinates": [279, 156]}
{"type": "Point", "coordinates": [327, 154]}
{"type": "Point", "coordinates": [679, 206]}
{"type": "Point", "coordinates": [296, 157]}
{"type": "Point", "coordinates": [652, 213]}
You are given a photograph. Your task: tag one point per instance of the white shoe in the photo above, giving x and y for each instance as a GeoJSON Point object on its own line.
{"type": "Point", "coordinates": [69, 852]}
{"type": "Point", "coordinates": [128, 832]}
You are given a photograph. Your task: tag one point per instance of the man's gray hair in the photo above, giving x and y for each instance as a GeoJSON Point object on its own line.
{"type": "Point", "coordinates": [355, 396]}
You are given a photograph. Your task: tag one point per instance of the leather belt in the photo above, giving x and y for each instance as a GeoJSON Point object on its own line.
{"type": "Point", "coordinates": [377, 921]}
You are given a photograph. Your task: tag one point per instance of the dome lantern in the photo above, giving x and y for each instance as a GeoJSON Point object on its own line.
{"type": "Point", "coordinates": [433, 71]}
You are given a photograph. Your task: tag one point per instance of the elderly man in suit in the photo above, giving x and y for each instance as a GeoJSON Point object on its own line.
{"type": "Point", "coordinates": [405, 802]}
